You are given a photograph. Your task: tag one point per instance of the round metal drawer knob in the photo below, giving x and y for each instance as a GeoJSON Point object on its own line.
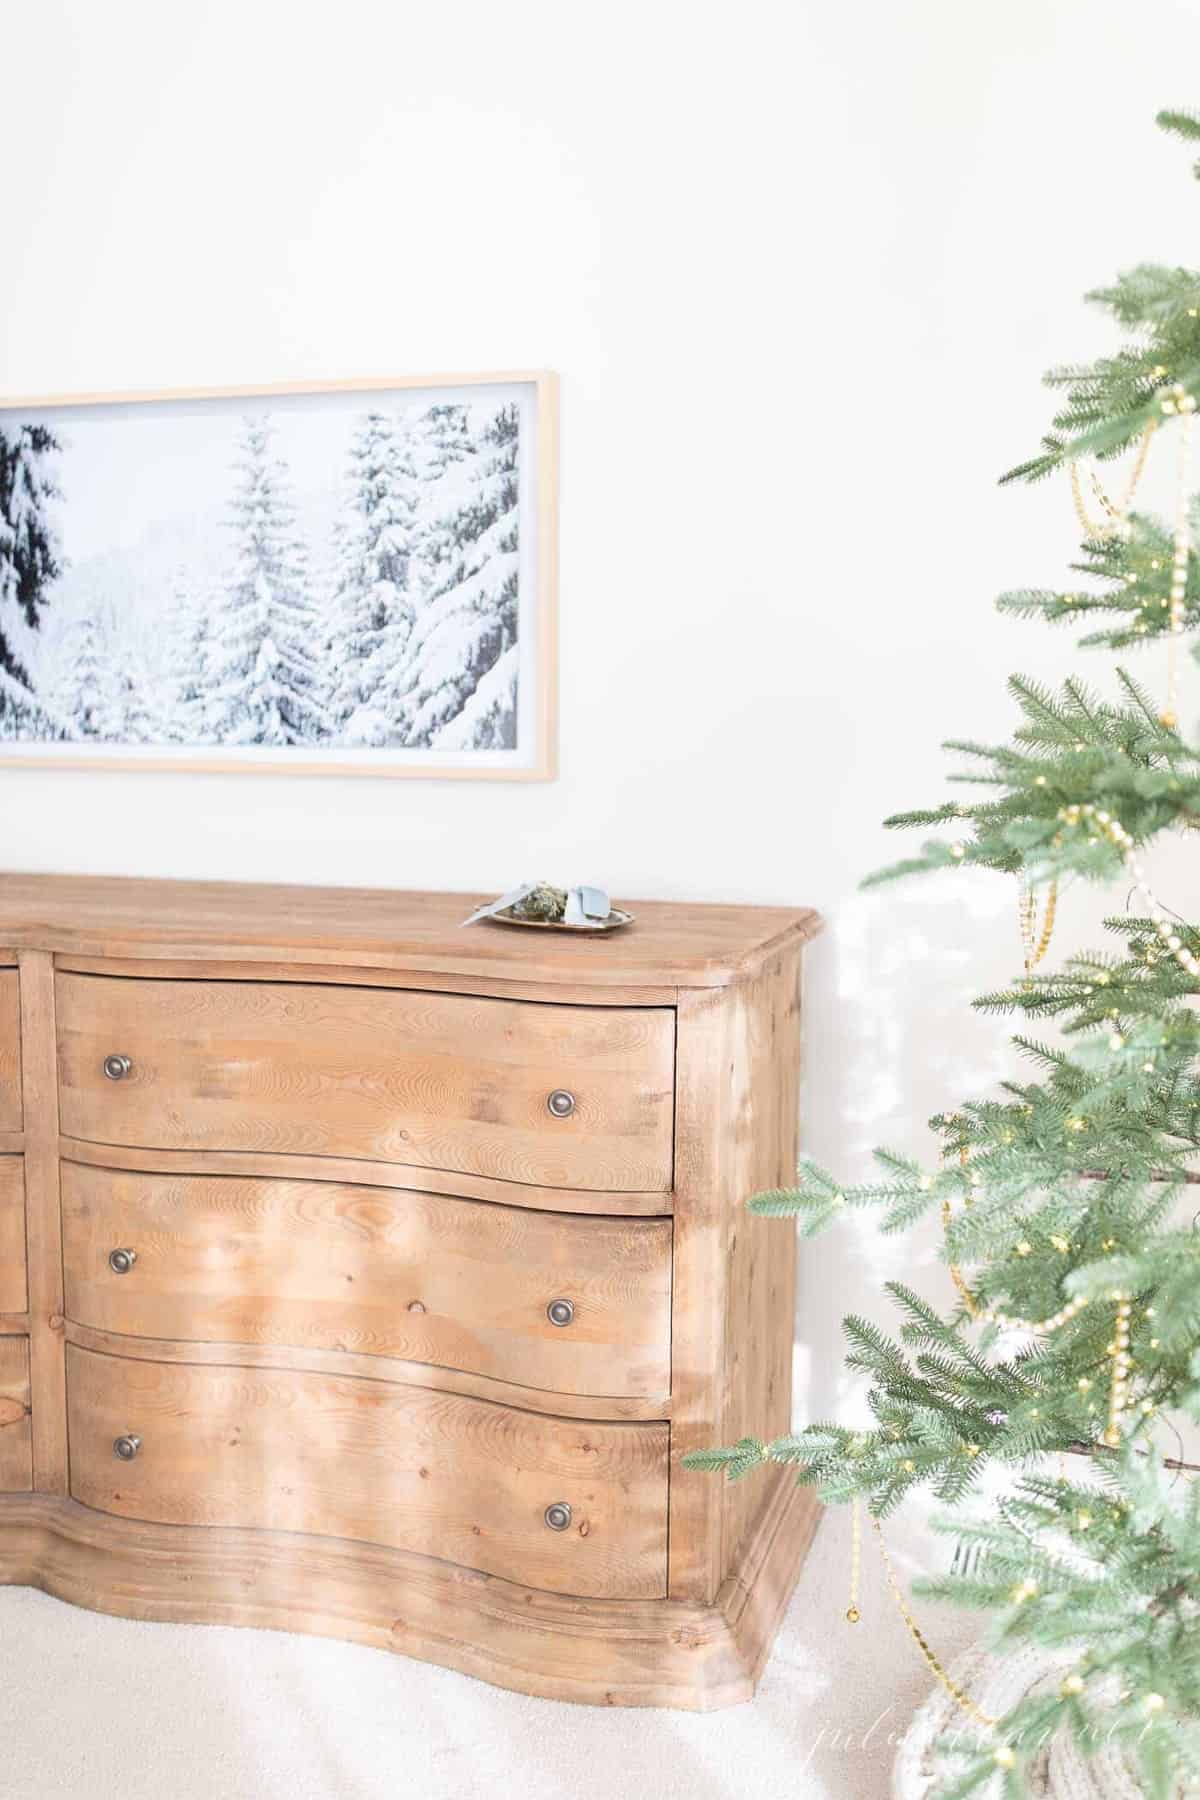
{"type": "Point", "coordinates": [126, 1448]}
{"type": "Point", "coordinates": [121, 1261]}
{"type": "Point", "coordinates": [558, 1516]}
{"type": "Point", "coordinates": [117, 1067]}
{"type": "Point", "coordinates": [560, 1103]}
{"type": "Point", "coordinates": [560, 1312]}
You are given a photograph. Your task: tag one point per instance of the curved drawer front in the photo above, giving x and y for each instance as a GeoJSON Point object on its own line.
{"type": "Point", "coordinates": [466, 1284]}
{"type": "Point", "coordinates": [445, 1081]}
{"type": "Point", "coordinates": [459, 1479]}
{"type": "Point", "coordinates": [16, 1443]}
{"type": "Point", "coordinates": [10, 1050]}
{"type": "Point", "coordinates": [14, 1293]}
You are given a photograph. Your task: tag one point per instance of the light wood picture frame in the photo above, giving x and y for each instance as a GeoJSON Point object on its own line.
{"type": "Point", "coordinates": [343, 578]}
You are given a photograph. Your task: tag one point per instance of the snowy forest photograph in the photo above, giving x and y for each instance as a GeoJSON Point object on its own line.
{"type": "Point", "coordinates": [343, 578]}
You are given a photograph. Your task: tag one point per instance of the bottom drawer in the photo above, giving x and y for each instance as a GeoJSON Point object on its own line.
{"type": "Point", "coordinates": [465, 1480]}
{"type": "Point", "coordinates": [16, 1439]}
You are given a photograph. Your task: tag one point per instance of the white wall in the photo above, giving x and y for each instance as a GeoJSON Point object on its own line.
{"type": "Point", "coordinates": [800, 267]}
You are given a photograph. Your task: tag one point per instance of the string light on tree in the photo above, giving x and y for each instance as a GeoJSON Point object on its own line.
{"type": "Point", "coordinates": [1095, 818]}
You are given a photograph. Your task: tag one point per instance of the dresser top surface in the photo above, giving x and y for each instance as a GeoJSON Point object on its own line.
{"type": "Point", "coordinates": [670, 943]}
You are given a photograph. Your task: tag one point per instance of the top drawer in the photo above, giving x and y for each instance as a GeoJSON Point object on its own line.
{"type": "Point", "coordinates": [10, 1050]}
{"type": "Point", "coordinates": [445, 1081]}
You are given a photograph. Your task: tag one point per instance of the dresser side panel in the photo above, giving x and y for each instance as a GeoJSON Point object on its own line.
{"type": "Point", "coordinates": [761, 1285]}
{"type": "Point", "coordinates": [702, 1226]}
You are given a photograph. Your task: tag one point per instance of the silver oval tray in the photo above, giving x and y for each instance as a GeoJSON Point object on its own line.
{"type": "Point", "coordinates": [614, 922]}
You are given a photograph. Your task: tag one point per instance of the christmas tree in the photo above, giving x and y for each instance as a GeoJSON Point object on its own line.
{"type": "Point", "coordinates": [1060, 1378]}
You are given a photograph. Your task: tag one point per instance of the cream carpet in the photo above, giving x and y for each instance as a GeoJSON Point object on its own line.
{"type": "Point", "coordinates": [108, 1709]}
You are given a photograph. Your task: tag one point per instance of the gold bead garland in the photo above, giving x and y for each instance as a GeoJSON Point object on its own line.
{"type": "Point", "coordinates": [1115, 832]}
{"type": "Point", "coordinates": [852, 1613]}
{"type": "Point", "coordinates": [1115, 523]}
{"type": "Point", "coordinates": [1034, 943]}
{"type": "Point", "coordinates": [994, 1315]}
{"type": "Point", "coordinates": [1174, 402]}
{"type": "Point", "coordinates": [1118, 1400]}
{"type": "Point", "coordinates": [956, 1275]}
{"type": "Point", "coordinates": [1119, 1387]}
{"type": "Point", "coordinates": [1184, 404]}
{"type": "Point", "coordinates": [1009, 1322]}
{"type": "Point", "coordinates": [960, 1697]}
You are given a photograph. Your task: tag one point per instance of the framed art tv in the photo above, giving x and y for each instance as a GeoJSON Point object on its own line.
{"type": "Point", "coordinates": [341, 578]}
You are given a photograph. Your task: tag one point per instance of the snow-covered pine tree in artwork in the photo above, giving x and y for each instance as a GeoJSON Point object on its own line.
{"type": "Point", "coordinates": [182, 706]}
{"type": "Point", "coordinates": [87, 685]}
{"type": "Point", "coordinates": [403, 636]}
{"type": "Point", "coordinates": [445, 437]}
{"type": "Point", "coordinates": [81, 690]}
{"type": "Point", "coordinates": [375, 599]}
{"type": "Point", "coordinates": [29, 549]}
{"type": "Point", "coordinates": [456, 686]}
{"type": "Point", "coordinates": [263, 683]}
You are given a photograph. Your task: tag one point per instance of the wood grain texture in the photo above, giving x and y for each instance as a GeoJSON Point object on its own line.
{"type": "Point", "coordinates": [43, 1224]}
{"type": "Point", "coordinates": [10, 1051]}
{"type": "Point", "coordinates": [181, 968]}
{"type": "Point", "coordinates": [734, 1280]}
{"type": "Point", "coordinates": [362, 1173]}
{"type": "Point", "coordinates": [760, 1295]}
{"type": "Point", "coordinates": [376, 1272]}
{"type": "Point", "coordinates": [16, 1440]}
{"type": "Point", "coordinates": [670, 944]}
{"type": "Point", "coordinates": [755, 1593]}
{"type": "Point", "coordinates": [373, 1368]}
{"type": "Point", "coordinates": [703, 1224]}
{"type": "Point", "coordinates": [458, 1479]}
{"type": "Point", "coordinates": [14, 1295]}
{"type": "Point", "coordinates": [433, 1080]}
{"type": "Point", "coordinates": [593, 1652]}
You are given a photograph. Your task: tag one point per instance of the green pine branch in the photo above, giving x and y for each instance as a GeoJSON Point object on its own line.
{"type": "Point", "coordinates": [1063, 1194]}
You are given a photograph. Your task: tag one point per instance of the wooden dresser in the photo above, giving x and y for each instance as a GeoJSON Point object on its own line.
{"type": "Point", "coordinates": [364, 1275]}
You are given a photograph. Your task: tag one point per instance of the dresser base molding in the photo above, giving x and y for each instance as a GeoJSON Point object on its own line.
{"type": "Point", "coordinates": [615, 1653]}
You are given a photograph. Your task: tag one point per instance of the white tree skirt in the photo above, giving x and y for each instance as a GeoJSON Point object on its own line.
{"type": "Point", "coordinates": [1060, 1771]}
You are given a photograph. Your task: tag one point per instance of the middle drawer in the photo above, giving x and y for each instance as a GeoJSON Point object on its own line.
{"type": "Point", "coordinates": [463, 1284]}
